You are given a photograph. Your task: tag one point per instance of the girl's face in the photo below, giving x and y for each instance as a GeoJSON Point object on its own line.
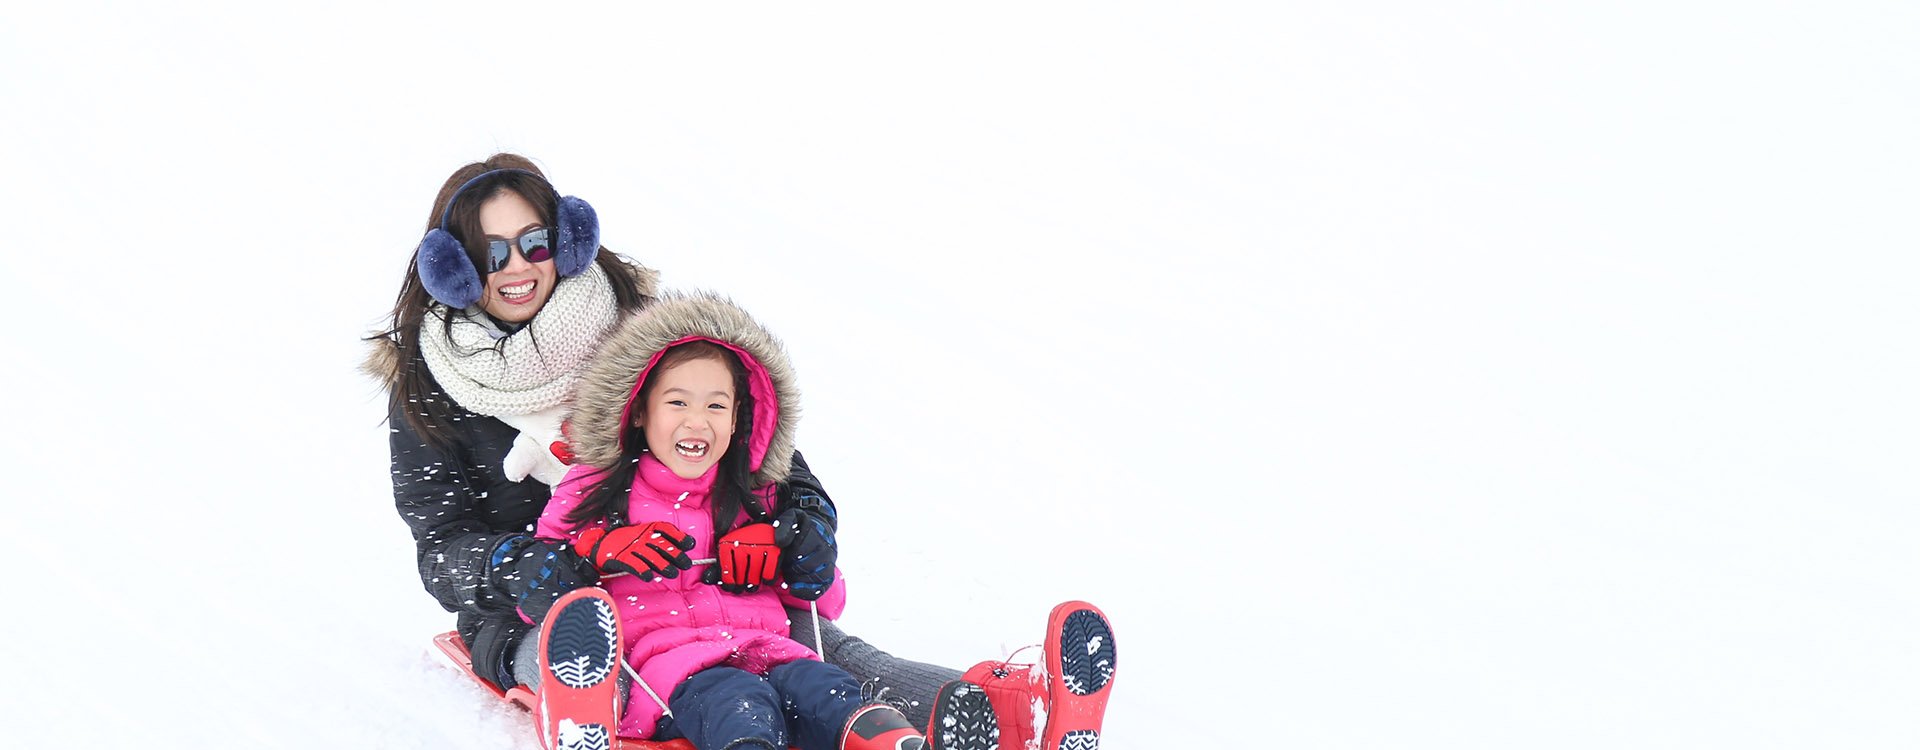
{"type": "Point", "coordinates": [688, 418]}
{"type": "Point", "coordinates": [518, 290]}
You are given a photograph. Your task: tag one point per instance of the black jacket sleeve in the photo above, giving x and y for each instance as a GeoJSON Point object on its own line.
{"type": "Point", "coordinates": [453, 546]}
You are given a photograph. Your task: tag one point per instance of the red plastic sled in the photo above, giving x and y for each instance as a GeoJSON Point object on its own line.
{"type": "Point", "coordinates": [456, 654]}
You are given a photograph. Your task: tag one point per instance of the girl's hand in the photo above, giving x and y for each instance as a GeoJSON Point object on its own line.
{"type": "Point", "coordinates": [648, 550]}
{"type": "Point", "coordinates": [748, 558]}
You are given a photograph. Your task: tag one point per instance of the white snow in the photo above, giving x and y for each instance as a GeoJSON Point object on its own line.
{"type": "Point", "coordinates": [1401, 375]}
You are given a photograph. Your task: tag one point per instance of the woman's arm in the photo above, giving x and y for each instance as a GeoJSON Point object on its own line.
{"type": "Point", "coordinates": [454, 548]}
{"type": "Point", "coordinates": [803, 489]}
{"type": "Point", "coordinates": [804, 529]}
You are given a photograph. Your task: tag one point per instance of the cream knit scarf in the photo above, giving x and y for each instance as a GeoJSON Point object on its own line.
{"type": "Point", "coordinates": [534, 368]}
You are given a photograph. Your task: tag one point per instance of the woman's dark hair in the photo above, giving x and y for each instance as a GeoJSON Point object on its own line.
{"type": "Point", "coordinates": [733, 480]}
{"type": "Point", "coordinates": [413, 391]}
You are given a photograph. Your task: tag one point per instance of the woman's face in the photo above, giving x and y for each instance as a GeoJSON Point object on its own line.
{"type": "Point", "coordinates": [518, 290]}
{"type": "Point", "coordinates": [688, 418]}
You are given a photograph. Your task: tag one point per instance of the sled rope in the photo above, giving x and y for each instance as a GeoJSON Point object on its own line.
{"type": "Point", "coordinates": [701, 561]}
{"type": "Point", "coordinates": [635, 676]}
{"type": "Point", "coordinates": [818, 647]}
{"type": "Point", "coordinates": [815, 606]}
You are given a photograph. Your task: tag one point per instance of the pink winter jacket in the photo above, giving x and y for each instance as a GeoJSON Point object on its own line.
{"type": "Point", "coordinates": [673, 628]}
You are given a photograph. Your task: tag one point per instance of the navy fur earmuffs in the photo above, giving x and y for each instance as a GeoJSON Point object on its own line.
{"type": "Point", "coordinates": [449, 275]}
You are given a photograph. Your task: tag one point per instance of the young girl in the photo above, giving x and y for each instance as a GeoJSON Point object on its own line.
{"type": "Point", "coordinates": [683, 432]}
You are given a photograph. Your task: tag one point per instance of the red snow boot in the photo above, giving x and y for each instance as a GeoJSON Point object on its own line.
{"type": "Point", "coordinates": [1059, 705]}
{"type": "Point", "coordinates": [1018, 694]}
{"type": "Point", "coordinates": [579, 659]}
{"type": "Point", "coordinates": [1080, 661]}
{"type": "Point", "coordinates": [962, 719]}
{"type": "Point", "coordinates": [878, 726]}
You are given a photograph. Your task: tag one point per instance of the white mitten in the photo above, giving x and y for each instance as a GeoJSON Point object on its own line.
{"type": "Point", "coordinates": [537, 449]}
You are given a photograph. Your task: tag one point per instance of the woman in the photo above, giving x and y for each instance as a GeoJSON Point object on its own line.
{"type": "Point", "coordinates": [508, 296]}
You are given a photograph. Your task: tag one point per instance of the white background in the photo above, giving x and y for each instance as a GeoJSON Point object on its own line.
{"type": "Point", "coordinates": [1395, 375]}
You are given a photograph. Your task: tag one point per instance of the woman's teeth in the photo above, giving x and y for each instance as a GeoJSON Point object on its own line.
{"type": "Point", "coordinates": [517, 290]}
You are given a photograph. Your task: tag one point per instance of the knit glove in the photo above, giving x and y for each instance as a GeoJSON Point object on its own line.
{"type": "Point", "coordinates": [535, 573]}
{"type": "Point", "coordinates": [747, 558]}
{"type": "Point", "coordinates": [540, 450]}
{"type": "Point", "coordinates": [806, 535]}
{"type": "Point", "coordinates": [648, 550]}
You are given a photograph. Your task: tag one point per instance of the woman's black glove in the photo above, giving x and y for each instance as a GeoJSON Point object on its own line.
{"type": "Point", "coordinates": [805, 533]}
{"type": "Point", "coordinates": [537, 572]}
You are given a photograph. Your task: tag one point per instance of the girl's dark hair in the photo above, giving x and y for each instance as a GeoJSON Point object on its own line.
{"type": "Point", "coordinates": [733, 480]}
{"type": "Point", "coordinates": [414, 393]}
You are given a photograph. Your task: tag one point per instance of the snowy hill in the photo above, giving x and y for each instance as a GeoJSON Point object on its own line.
{"type": "Point", "coordinates": [1395, 377]}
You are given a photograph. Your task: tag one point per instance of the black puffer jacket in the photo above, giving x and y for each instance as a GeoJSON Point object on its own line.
{"type": "Point", "coordinates": [461, 507]}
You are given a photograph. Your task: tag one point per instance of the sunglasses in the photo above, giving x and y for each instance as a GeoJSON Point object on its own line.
{"type": "Point", "coordinates": [535, 244]}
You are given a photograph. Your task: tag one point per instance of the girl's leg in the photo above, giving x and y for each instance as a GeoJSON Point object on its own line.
{"type": "Point", "coordinates": [909, 685]}
{"type": "Point", "coordinates": [826, 712]}
{"type": "Point", "coordinates": [722, 708]}
{"type": "Point", "coordinates": [820, 698]}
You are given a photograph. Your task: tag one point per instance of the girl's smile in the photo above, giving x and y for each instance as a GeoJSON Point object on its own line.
{"type": "Point", "coordinates": [692, 450]}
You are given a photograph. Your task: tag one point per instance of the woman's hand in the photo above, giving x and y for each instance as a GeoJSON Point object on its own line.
{"type": "Point", "coordinates": [537, 572]}
{"type": "Point", "coordinates": [811, 551]}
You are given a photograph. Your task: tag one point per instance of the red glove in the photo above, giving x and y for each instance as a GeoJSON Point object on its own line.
{"type": "Point", "coordinates": [748, 557]}
{"type": "Point", "coordinates": [650, 549]}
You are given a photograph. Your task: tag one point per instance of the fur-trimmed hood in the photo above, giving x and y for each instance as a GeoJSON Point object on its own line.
{"type": "Point", "coordinates": [383, 360]}
{"type": "Point", "coordinates": [607, 387]}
